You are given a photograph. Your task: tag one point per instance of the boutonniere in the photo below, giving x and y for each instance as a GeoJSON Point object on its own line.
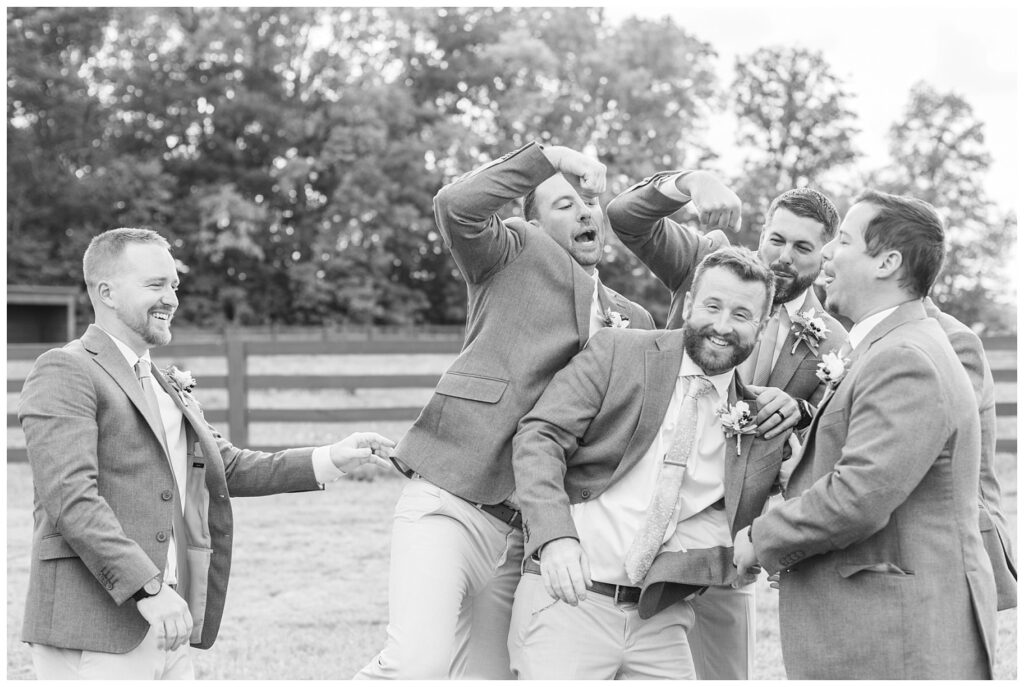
{"type": "Point", "coordinates": [615, 319]}
{"type": "Point", "coordinates": [182, 381]}
{"type": "Point", "coordinates": [809, 329]}
{"type": "Point", "coordinates": [832, 368]}
{"type": "Point", "coordinates": [737, 421]}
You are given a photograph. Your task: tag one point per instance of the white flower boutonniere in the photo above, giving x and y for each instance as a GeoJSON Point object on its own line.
{"type": "Point", "coordinates": [182, 381]}
{"type": "Point", "coordinates": [737, 421]}
{"type": "Point", "coordinates": [809, 329]}
{"type": "Point", "coordinates": [832, 368]}
{"type": "Point", "coordinates": [615, 319]}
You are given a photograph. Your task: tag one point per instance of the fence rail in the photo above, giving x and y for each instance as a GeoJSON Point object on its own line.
{"type": "Point", "coordinates": [238, 347]}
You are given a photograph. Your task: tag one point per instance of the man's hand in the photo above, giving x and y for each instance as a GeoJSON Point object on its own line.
{"type": "Point", "coordinates": [778, 411]}
{"type": "Point", "coordinates": [716, 205]}
{"type": "Point", "coordinates": [745, 560]}
{"type": "Point", "coordinates": [361, 448]}
{"type": "Point", "coordinates": [565, 570]}
{"type": "Point", "coordinates": [169, 614]}
{"type": "Point", "coordinates": [590, 172]}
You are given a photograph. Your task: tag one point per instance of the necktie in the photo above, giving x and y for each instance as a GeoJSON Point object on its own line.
{"type": "Point", "coordinates": [766, 348]}
{"type": "Point", "coordinates": [178, 532]}
{"type": "Point", "coordinates": [652, 533]}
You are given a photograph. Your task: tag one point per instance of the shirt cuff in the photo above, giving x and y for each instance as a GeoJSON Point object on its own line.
{"type": "Point", "coordinates": [324, 468]}
{"type": "Point", "coordinates": [667, 187]}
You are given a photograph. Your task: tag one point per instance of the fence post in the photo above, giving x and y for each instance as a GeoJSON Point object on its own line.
{"type": "Point", "coordinates": [238, 400]}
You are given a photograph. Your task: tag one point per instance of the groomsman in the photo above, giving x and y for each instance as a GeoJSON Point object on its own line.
{"type": "Point", "coordinates": [883, 571]}
{"type": "Point", "coordinates": [132, 541]}
{"type": "Point", "coordinates": [797, 334]}
{"type": "Point", "coordinates": [633, 485]}
{"type": "Point", "coordinates": [534, 300]}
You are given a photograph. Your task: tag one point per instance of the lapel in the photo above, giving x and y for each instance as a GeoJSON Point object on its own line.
{"type": "Point", "coordinates": [610, 300]}
{"type": "Point", "coordinates": [736, 465]}
{"type": "Point", "coordinates": [583, 290]}
{"type": "Point", "coordinates": [108, 356]}
{"type": "Point", "coordinates": [661, 368]}
{"type": "Point", "coordinates": [788, 362]}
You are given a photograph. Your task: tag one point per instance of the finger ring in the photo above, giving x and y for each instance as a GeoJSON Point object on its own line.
{"type": "Point", "coordinates": [782, 418]}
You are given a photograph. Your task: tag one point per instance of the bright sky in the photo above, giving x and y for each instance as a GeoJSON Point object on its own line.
{"type": "Point", "coordinates": [880, 49]}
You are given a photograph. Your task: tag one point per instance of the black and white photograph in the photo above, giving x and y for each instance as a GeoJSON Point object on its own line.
{"type": "Point", "coordinates": [670, 341]}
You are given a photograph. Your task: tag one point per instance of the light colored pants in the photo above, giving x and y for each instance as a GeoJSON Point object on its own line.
{"type": "Point", "coordinates": [454, 571]}
{"type": "Point", "coordinates": [144, 662]}
{"type": "Point", "coordinates": [597, 640]}
{"type": "Point", "coordinates": [722, 638]}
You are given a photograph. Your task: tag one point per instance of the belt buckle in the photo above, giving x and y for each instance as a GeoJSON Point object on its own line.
{"type": "Point", "coordinates": [618, 588]}
{"type": "Point", "coordinates": [516, 516]}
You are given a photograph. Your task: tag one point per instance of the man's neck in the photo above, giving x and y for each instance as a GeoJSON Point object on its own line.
{"type": "Point", "coordinates": [127, 339]}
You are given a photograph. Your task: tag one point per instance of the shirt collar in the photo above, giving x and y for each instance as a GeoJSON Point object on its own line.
{"type": "Point", "coordinates": [860, 330]}
{"type": "Point", "coordinates": [721, 381]}
{"type": "Point", "coordinates": [126, 351]}
{"type": "Point", "coordinates": [793, 306]}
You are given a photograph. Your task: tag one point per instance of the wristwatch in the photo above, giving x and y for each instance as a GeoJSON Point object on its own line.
{"type": "Point", "coordinates": [151, 588]}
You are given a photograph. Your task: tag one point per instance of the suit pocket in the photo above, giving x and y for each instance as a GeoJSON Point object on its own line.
{"type": "Point", "coordinates": [848, 570]}
{"type": "Point", "coordinates": [53, 546]}
{"type": "Point", "coordinates": [472, 387]}
{"type": "Point", "coordinates": [198, 561]}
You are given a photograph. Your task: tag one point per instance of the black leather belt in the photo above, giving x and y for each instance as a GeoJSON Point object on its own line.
{"type": "Point", "coordinates": [619, 592]}
{"type": "Point", "coordinates": [507, 514]}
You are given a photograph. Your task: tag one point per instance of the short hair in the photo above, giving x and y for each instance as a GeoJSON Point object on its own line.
{"type": "Point", "coordinates": [530, 205]}
{"type": "Point", "coordinates": [105, 248]}
{"type": "Point", "coordinates": [745, 264]}
{"type": "Point", "coordinates": [806, 202]}
{"type": "Point", "coordinates": [912, 227]}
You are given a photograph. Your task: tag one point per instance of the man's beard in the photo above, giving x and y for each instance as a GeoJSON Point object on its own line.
{"type": "Point", "coordinates": [711, 359]}
{"type": "Point", "coordinates": [146, 328]}
{"type": "Point", "coordinates": [786, 291]}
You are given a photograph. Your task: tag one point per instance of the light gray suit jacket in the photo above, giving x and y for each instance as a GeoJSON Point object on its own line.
{"type": "Point", "coordinates": [884, 572]}
{"type": "Point", "coordinates": [596, 420]}
{"type": "Point", "coordinates": [640, 218]}
{"type": "Point", "coordinates": [528, 314]}
{"type": "Point", "coordinates": [104, 495]}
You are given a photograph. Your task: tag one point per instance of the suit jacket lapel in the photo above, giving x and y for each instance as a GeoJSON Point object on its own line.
{"type": "Point", "coordinates": [661, 368]}
{"type": "Point", "coordinates": [583, 289]}
{"type": "Point", "coordinates": [736, 465]}
{"type": "Point", "coordinates": [788, 362]}
{"type": "Point", "coordinates": [109, 357]}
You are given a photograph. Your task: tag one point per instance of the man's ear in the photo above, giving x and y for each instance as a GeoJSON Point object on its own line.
{"type": "Point", "coordinates": [889, 264]}
{"type": "Point", "coordinates": [688, 304]}
{"type": "Point", "coordinates": [103, 293]}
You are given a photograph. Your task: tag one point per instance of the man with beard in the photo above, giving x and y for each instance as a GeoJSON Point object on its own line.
{"type": "Point", "coordinates": [798, 333]}
{"type": "Point", "coordinates": [632, 484]}
{"type": "Point", "coordinates": [132, 541]}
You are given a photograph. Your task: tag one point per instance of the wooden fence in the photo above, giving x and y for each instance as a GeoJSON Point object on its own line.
{"type": "Point", "coordinates": [237, 347]}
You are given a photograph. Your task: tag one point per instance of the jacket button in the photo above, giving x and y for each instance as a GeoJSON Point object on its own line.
{"type": "Point", "coordinates": [166, 494]}
{"type": "Point", "coordinates": [585, 493]}
{"type": "Point", "coordinates": [110, 585]}
{"type": "Point", "coordinates": [161, 536]}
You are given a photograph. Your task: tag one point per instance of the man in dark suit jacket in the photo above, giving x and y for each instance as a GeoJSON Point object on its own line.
{"type": "Point", "coordinates": [798, 224]}
{"type": "Point", "coordinates": [589, 459]}
{"type": "Point", "coordinates": [883, 574]}
{"type": "Point", "coordinates": [534, 301]}
{"type": "Point", "coordinates": [132, 541]}
{"type": "Point", "coordinates": [995, 532]}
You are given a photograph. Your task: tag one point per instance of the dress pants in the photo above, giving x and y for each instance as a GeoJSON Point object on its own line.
{"type": "Point", "coordinates": [453, 574]}
{"type": "Point", "coordinates": [600, 639]}
{"type": "Point", "coordinates": [722, 638]}
{"type": "Point", "coordinates": [144, 662]}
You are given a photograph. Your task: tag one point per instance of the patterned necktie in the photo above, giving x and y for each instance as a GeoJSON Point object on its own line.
{"type": "Point", "coordinates": [652, 533]}
{"type": "Point", "coordinates": [146, 380]}
{"type": "Point", "coordinates": [769, 342]}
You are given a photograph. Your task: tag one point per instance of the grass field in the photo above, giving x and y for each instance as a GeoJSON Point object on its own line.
{"type": "Point", "coordinates": [308, 593]}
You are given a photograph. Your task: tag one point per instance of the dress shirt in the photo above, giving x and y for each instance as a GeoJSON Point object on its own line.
{"type": "Point", "coordinates": [596, 313]}
{"type": "Point", "coordinates": [860, 330]}
{"type": "Point", "coordinates": [608, 524]}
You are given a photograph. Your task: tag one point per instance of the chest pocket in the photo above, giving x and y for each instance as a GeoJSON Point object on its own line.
{"type": "Point", "coordinates": [472, 387]}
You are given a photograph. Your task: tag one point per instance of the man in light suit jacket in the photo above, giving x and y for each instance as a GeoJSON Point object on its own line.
{"type": "Point", "coordinates": [995, 532]}
{"type": "Point", "coordinates": [798, 224]}
{"type": "Point", "coordinates": [589, 459]}
{"type": "Point", "coordinates": [883, 574]}
{"type": "Point", "coordinates": [131, 547]}
{"type": "Point", "coordinates": [534, 301]}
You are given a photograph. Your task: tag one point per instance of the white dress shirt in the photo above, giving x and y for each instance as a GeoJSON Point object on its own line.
{"type": "Point", "coordinates": [860, 330]}
{"type": "Point", "coordinates": [608, 524]}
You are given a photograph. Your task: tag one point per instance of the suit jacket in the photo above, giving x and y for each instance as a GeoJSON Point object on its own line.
{"type": "Point", "coordinates": [596, 420]}
{"type": "Point", "coordinates": [528, 314]}
{"type": "Point", "coordinates": [994, 529]}
{"type": "Point", "coordinates": [885, 575]}
{"type": "Point", "coordinates": [640, 218]}
{"type": "Point", "coordinates": [105, 494]}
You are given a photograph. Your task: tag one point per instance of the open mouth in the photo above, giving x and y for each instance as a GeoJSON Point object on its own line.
{"type": "Point", "coordinates": [586, 236]}
{"type": "Point", "coordinates": [718, 341]}
{"type": "Point", "coordinates": [162, 316]}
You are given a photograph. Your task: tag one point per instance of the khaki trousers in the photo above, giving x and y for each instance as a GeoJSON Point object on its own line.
{"type": "Point", "coordinates": [144, 662]}
{"type": "Point", "coordinates": [722, 638]}
{"type": "Point", "coordinates": [597, 640]}
{"type": "Point", "coordinates": [453, 573]}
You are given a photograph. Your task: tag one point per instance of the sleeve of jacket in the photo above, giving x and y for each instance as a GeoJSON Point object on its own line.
{"type": "Point", "coordinates": [639, 216]}
{"type": "Point", "coordinates": [890, 446]}
{"type": "Point", "coordinates": [257, 473]}
{"type": "Point", "coordinates": [466, 211]}
{"type": "Point", "coordinates": [58, 412]}
{"type": "Point", "coordinates": [549, 435]}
